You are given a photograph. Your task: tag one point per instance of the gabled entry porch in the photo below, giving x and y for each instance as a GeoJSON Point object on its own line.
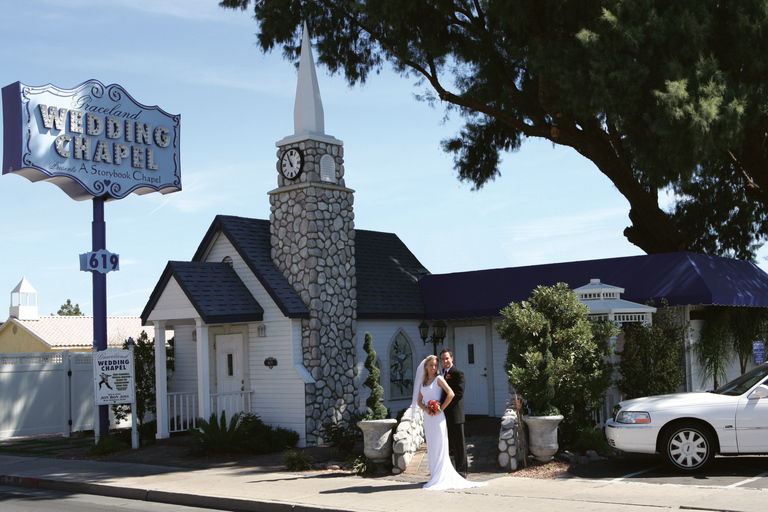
{"type": "Point", "coordinates": [210, 310]}
{"type": "Point", "coordinates": [222, 383]}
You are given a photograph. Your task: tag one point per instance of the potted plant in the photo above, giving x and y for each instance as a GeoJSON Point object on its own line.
{"type": "Point", "coordinates": [556, 360]}
{"type": "Point", "coordinates": [377, 427]}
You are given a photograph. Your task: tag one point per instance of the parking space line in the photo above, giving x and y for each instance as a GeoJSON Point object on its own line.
{"type": "Point", "coordinates": [748, 480]}
{"type": "Point", "coordinates": [619, 479]}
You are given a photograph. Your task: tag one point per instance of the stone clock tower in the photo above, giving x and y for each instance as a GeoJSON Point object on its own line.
{"type": "Point", "coordinates": [313, 245]}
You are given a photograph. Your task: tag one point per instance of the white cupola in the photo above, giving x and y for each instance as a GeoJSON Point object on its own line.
{"type": "Point", "coordinates": [24, 301]}
{"type": "Point", "coordinates": [605, 303]}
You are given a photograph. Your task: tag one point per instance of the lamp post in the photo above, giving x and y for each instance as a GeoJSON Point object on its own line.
{"type": "Point", "coordinates": [438, 333]}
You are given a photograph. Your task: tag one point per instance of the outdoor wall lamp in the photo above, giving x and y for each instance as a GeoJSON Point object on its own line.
{"type": "Point", "coordinates": [438, 334]}
{"type": "Point", "coordinates": [270, 362]}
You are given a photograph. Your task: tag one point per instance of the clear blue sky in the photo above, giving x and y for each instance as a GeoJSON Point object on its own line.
{"type": "Point", "coordinates": [191, 57]}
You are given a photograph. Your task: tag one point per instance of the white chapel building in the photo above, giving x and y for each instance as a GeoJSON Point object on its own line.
{"type": "Point", "coordinates": [269, 315]}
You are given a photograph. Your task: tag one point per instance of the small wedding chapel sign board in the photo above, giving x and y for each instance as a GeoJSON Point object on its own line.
{"type": "Point", "coordinates": [113, 377]}
{"type": "Point", "coordinates": [114, 381]}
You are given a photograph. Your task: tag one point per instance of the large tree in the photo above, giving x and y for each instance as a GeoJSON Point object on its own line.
{"type": "Point", "coordinates": [659, 95]}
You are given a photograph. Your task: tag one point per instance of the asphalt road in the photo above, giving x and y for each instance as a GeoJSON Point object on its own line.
{"type": "Point", "coordinates": [742, 471]}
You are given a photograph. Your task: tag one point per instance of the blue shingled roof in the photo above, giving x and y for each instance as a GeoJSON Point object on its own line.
{"type": "Point", "coordinates": [386, 270]}
{"type": "Point", "coordinates": [251, 239]}
{"type": "Point", "coordinates": [214, 289]}
{"type": "Point", "coordinates": [683, 278]}
{"type": "Point", "coordinates": [387, 277]}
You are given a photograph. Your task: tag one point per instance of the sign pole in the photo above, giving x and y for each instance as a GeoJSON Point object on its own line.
{"type": "Point", "coordinates": [134, 409]}
{"type": "Point", "coordinates": [99, 241]}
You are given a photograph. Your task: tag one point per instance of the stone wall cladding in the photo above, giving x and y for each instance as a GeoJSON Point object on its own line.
{"type": "Point", "coordinates": [313, 245]}
{"type": "Point", "coordinates": [408, 437]}
{"type": "Point", "coordinates": [509, 439]}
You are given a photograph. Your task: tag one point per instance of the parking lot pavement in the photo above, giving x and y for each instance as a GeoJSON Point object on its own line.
{"type": "Point", "coordinates": [748, 472]}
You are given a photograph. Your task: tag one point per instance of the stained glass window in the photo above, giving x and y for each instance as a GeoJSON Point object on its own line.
{"type": "Point", "coordinates": [400, 368]}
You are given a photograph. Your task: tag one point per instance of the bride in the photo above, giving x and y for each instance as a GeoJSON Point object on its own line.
{"type": "Point", "coordinates": [429, 387]}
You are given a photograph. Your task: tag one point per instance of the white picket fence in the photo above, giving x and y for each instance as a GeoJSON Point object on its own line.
{"type": "Point", "coordinates": [46, 393]}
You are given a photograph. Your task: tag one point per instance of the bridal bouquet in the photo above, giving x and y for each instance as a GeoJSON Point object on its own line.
{"type": "Point", "coordinates": [433, 406]}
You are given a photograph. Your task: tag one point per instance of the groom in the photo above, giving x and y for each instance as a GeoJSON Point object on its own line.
{"type": "Point", "coordinates": [454, 413]}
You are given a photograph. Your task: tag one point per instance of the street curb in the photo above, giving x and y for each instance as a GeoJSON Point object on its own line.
{"type": "Point", "coordinates": [20, 481]}
{"type": "Point", "coordinates": [154, 496]}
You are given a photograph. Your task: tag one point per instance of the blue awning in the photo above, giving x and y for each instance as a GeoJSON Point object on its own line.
{"type": "Point", "coordinates": [683, 278]}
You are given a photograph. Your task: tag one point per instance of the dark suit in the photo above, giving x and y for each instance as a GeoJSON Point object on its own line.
{"type": "Point", "coordinates": [454, 417]}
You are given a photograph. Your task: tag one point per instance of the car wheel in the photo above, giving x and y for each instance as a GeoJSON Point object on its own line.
{"type": "Point", "coordinates": [687, 447]}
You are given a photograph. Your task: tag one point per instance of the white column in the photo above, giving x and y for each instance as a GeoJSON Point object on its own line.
{"type": "Point", "coordinates": [161, 382]}
{"type": "Point", "coordinates": [203, 370]}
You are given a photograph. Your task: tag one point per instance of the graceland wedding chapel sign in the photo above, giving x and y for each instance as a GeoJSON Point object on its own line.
{"type": "Point", "coordinates": [90, 141]}
{"type": "Point", "coordinates": [93, 142]}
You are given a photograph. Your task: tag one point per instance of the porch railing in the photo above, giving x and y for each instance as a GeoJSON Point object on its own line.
{"type": "Point", "coordinates": [183, 409]}
{"type": "Point", "coordinates": [232, 402]}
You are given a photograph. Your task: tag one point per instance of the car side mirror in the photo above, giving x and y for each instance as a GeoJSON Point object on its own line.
{"type": "Point", "coordinates": [760, 391]}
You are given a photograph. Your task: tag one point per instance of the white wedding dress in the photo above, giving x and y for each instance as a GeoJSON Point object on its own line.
{"type": "Point", "coordinates": [442, 474]}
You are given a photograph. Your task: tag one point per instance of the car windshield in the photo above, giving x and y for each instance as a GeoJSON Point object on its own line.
{"type": "Point", "coordinates": [740, 385]}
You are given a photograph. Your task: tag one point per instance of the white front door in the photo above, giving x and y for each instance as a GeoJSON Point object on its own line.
{"type": "Point", "coordinates": [229, 372]}
{"type": "Point", "coordinates": [470, 357]}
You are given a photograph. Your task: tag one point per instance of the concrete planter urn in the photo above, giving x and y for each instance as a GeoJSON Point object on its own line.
{"type": "Point", "coordinates": [542, 436]}
{"type": "Point", "coordinates": [377, 438]}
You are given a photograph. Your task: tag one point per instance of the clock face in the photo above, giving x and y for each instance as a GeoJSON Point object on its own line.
{"type": "Point", "coordinates": [291, 163]}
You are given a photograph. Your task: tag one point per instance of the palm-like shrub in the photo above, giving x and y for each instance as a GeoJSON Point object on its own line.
{"type": "Point", "coordinates": [218, 436]}
{"type": "Point", "coordinates": [243, 434]}
{"type": "Point", "coordinates": [297, 461]}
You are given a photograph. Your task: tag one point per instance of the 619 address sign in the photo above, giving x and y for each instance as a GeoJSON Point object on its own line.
{"type": "Point", "coordinates": [101, 261]}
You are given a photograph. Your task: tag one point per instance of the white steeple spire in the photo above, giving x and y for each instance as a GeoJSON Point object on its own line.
{"type": "Point", "coordinates": [308, 109]}
{"type": "Point", "coordinates": [308, 116]}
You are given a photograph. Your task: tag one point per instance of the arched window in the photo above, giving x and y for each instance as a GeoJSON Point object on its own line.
{"type": "Point", "coordinates": [400, 367]}
{"type": "Point", "coordinates": [327, 169]}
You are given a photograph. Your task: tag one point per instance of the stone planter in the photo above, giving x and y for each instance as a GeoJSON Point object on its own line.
{"type": "Point", "coordinates": [542, 435]}
{"type": "Point", "coordinates": [377, 438]}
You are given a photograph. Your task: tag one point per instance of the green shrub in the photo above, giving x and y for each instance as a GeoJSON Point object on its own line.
{"type": "Point", "coordinates": [109, 444]}
{"type": "Point", "coordinates": [148, 432]}
{"type": "Point", "coordinates": [341, 436]}
{"type": "Point", "coordinates": [372, 381]}
{"type": "Point", "coordinates": [361, 465]}
{"type": "Point", "coordinates": [144, 368]}
{"type": "Point", "coordinates": [556, 358]}
{"type": "Point", "coordinates": [652, 360]}
{"type": "Point", "coordinates": [591, 439]}
{"type": "Point", "coordinates": [297, 461]}
{"type": "Point", "coordinates": [283, 438]}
